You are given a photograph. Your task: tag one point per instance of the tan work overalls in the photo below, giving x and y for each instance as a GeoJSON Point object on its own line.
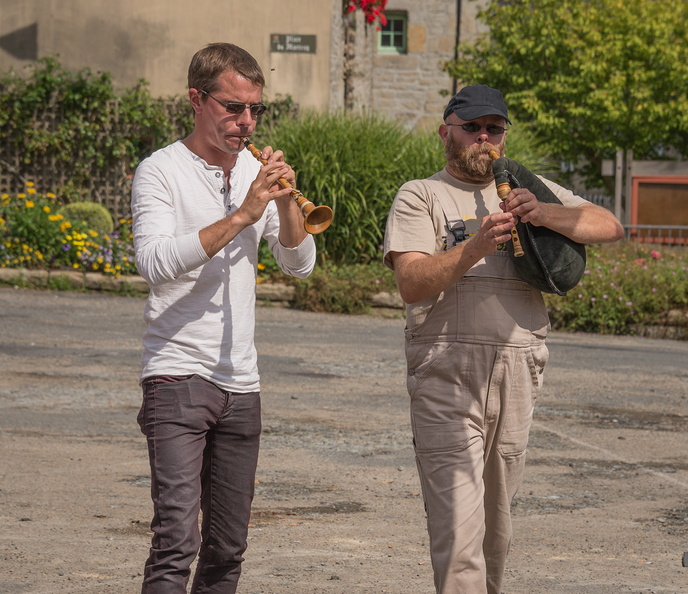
{"type": "Point", "coordinates": [475, 366]}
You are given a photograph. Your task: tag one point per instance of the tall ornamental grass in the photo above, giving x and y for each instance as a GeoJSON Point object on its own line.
{"type": "Point", "coordinates": [354, 164]}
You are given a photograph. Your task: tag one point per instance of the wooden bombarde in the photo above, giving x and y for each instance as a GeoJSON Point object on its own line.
{"type": "Point", "coordinates": [503, 189]}
{"type": "Point", "coordinates": [315, 218]}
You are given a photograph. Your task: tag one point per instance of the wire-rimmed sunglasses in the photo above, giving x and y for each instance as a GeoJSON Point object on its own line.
{"type": "Point", "coordinates": [237, 107]}
{"type": "Point", "coordinates": [473, 127]}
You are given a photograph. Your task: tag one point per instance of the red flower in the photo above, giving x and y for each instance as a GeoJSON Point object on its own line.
{"type": "Point", "coordinates": [372, 9]}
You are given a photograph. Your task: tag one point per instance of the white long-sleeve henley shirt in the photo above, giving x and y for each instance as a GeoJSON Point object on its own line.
{"type": "Point", "coordinates": [200, 313]}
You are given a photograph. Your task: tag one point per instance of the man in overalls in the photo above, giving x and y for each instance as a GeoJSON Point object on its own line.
{"type": "Point", "coordinates": [475, 336]}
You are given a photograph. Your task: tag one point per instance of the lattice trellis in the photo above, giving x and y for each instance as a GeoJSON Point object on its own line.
{"type": "Point", "coordinates": [109, 186]}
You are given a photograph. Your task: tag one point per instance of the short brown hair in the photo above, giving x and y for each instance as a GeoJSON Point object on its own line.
{"type": "Point", "coordinates": [216, 58]}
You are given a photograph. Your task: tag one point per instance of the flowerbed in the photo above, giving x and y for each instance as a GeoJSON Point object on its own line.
{"type": "Point", "coordinates": [34, 234]}
{"type": "Point", "coordinates": [625, 285]}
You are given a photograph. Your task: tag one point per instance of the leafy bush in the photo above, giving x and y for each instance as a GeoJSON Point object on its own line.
{"type": "Point", "coordinates": [81, 110]}
{"type": "Point", "coordinates": [343, 289]}
{"type": "Point", "coordinates": [530, 150]}
{"type": "Point", "coordinates": [95, 216]}
{"type": "Point", "coordinates": [30, 229]}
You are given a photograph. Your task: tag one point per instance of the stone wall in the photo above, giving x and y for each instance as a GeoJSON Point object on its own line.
{"type": "Point", "coordinates": [412, 87]}
{"type": "Point", "coordinates": [155, 40]}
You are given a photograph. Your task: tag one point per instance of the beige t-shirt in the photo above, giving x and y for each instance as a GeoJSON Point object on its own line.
{"type": "Point", "coordinates": [417, 222]}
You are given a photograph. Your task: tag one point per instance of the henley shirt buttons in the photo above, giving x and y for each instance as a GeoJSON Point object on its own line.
{"type": "Point", "coordinates": [412, 371]}
{"type": "Point", "coordinates": [217, 174]}
{"type": "Point", "coordinates": [222, 191]}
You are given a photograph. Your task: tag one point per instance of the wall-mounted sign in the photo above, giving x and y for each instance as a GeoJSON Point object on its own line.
{"type": "Point", "coordinates": [295, 44]}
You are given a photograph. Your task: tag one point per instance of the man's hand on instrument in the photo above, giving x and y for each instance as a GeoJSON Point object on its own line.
{"type": "Point", "coordinates": [494, 229]}
{"type": "Point", "coordinates": [292, 231]}
{"type": "Point", "coordinates": [278, 157]}
{"type": "Point", "coordinates": [524, 203]}
{"type": "Point", "coordinates": [263, 189]}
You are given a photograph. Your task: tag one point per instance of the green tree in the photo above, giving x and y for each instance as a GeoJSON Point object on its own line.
{"type": "Point", "coordinates": [591, 76]}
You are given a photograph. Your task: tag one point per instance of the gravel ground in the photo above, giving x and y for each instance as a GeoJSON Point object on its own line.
{"type": "Point", "coordinates": [603, 507]}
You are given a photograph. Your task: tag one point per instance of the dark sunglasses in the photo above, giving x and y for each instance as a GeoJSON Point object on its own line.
{"type": "Point", "coordinates": [237, 107]}
{"type": "Point", "coordinates": [472, 127]}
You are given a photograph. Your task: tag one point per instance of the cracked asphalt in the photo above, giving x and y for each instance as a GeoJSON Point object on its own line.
{"type": "Point", "coordinates": [603, 507]}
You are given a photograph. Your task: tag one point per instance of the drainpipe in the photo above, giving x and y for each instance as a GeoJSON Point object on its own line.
{"type": "Point", "coordinates": [457, 38]}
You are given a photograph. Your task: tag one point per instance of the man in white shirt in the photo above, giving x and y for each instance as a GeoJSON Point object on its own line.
{"type": "Point", "coordinates": [200, 208]}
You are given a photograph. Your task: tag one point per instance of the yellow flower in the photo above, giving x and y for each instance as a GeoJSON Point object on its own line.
{"type": "Point", "coordinates": [51, 195]}
{"type": "Point", "coordinates": [93, 233]}
{"type": "Point", "coordinates": [30, 191]}
{"type": "Point", "coordinates": [29, 204]}
{"type": "Point", "coordinates": [75, 266]}
{"type": "Point", "coordinates": [30, 184]}
{"type": "Point", "coordinates": [56, 217]}
{"type": "Point", "coordinates": [46, 209]}
{"type": "Point", "coordinates": [21, 196]}
{"type": "Point", "coordinates": [261, 266]}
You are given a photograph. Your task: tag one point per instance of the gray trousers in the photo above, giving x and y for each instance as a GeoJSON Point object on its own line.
{"type": "Point", "coordinates": [203, 447]}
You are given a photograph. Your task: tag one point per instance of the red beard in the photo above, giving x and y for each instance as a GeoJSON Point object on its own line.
{"type": "Point", "coordinates": [472, 162]}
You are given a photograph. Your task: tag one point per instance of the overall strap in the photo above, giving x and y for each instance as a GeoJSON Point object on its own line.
{"type": "Point", "coordinates": [456, 226]}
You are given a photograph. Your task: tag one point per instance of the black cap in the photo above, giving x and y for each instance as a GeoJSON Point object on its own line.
{"type": "Point", "coordinates": [476, 101]}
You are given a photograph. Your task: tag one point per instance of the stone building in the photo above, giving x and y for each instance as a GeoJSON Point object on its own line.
{"type": "Point", "coordinates": [300, 44]}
